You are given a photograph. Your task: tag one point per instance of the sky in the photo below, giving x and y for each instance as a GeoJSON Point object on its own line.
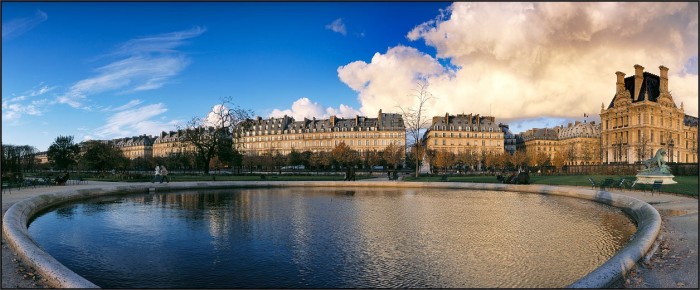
{"type": "Point", "coordinates": [105, 70]}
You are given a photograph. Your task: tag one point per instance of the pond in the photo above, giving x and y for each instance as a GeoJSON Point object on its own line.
{"type": "Point", "coordinates": [332, 238]}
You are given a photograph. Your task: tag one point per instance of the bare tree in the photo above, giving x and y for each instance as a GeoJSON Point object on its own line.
{"type": "Point", "coordinates": [415, 120]}
{"type": "Point", "coordinates": [643, 145]}
{"type": "Point", "coordinates": [222, 126]}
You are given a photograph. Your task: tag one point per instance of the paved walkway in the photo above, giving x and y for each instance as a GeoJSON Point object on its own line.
{"type": "Point", "coordinates": [673, 265]}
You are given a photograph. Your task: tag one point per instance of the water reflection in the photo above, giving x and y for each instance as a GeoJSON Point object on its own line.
{"type": "Point", "coordinates": [332, 238]}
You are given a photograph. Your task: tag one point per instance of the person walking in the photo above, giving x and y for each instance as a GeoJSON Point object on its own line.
{"type": "Point", "coordinates": [164, 174]}
{"type": "Point", "coordinates": [157, 174]}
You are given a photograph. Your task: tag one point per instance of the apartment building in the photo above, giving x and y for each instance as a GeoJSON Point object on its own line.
{"type": "Point", "coordinates": [136, 146]}
{"type": "Point", "coordinates": [465, 132]}
{"type": "Point", "coordinates": [285, 134]}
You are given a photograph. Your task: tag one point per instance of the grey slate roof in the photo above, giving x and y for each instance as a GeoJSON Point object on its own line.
{"type": "Point", "coordinates": [649, 89]}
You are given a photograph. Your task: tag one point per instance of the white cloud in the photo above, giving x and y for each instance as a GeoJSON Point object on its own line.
{"type": "Point", "coordinates": [337, 26]}
{"type": "Point", "coordinates": [526, 60]}
{"type": "Point", "coordinates": [305, 108]}
{"type": "Point", "coordinates": [146, 63]}
{"type": "Point", "coordinates": [135, 121]}
{"type": "Point", "coordinates": [19, 26]}
{"type": "Point", "coordinates": [15, 107]}
{"type": "Point", "coordinates": [128, 105]}
{"type": "Point", "coordinates": [386, 81]}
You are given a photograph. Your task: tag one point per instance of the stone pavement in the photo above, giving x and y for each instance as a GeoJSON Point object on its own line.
{"type": "Point", "coordinates": [673, 265]}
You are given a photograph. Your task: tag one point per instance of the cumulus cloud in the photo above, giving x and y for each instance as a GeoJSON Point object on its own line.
{"type": "Point", "coordinates": [386, 81]}
{"type": "Point", "coordinates": [305, 108]}
{"type": "Point", "coordinates": [337, 26]}
{"type": "Point", "coordinates": [135, 121]}
{"type": "Point", "coordinates": [19, 26]}
{"type": "Point", "coordinates": [145, 63]}
{"type": "Point", "coordinates": [527, 60]}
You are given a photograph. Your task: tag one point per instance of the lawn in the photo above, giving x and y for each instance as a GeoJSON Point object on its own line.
{"type": "Point", "coordinates": [687, 185]}
{"type": "Point", "coordinates": [176, 178]}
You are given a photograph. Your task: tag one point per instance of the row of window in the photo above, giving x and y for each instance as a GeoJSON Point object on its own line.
{"type": "Point", "coordinates": [475, 143]}
{"type": "Point", "coordinates": [335, 136]}
{"type": "Point", "coordinates": [467, 135]}
{"type": "Point", "coordinates": [623, 121]}
{"type": "Point", "coordinates": [459, 128]}
{"type": "Point", "coordinates": [327, 143]}
{"type": "Point", "coordinates": [322, 130]}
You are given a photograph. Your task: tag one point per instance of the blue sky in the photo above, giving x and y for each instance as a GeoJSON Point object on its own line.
{"type": "Point", "coordinates": [109, 70]}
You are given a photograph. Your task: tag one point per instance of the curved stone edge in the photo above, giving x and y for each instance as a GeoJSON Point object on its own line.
{"type": "Point", "coordinates": [644, 215]}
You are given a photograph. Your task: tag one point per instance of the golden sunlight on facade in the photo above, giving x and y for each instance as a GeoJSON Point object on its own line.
{"type": "Point", "coordinates": [465, 133]}
{"type": "Point", "coordinates": [643, 118]}
{"type": "Point", "coordinates": [286, 134]}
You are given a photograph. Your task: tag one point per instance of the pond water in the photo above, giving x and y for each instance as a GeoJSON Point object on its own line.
{"type": "Point", "coordinates": [332, 238]}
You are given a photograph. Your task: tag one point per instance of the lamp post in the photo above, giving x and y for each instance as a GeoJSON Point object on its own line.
{"type": "Point", "coordinates": [670, 149]}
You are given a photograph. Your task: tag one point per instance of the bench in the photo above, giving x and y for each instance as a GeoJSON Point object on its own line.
{"type": "Point", "coordinates": [607, 183]}
{"type": "Point", "coordinates": [656, 186]}
{"type": "Point", "coordinates": [594, 184]}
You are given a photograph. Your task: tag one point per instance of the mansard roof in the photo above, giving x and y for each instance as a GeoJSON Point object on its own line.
{"type": "Point", "coordinates": [541, 134]}
{"type": "Point", "coordinates": [588, 130]}
{"type": "Point", "coordinates": [464, 120]}
{"type": "Point", "coordinates": [690, 121]}
{"type": "Point", "coordinates": [384, 121]}
{"type": "Point", "coordinates": [649, 89]}
{"type": "Point", "coordinates": [142, 140]}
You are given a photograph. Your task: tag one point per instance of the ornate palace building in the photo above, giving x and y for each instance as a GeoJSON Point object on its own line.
{"type": "Point", "coordinates": [286, 134]}
{"type": "Point", "coordinates": [465, 132]}
{"type": "Point", "coordinates": [642, 118]}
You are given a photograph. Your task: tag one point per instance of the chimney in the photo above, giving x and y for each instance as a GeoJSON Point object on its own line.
{"type": "Point", "coordinates": [478, 120]}
{"type": "Point", "coordinates": [447, 118]}
{"type": "Point", "coordinates": [332, 119]}
{"type": "Point", "coordinates": [663, 73]}
{"type": "Point", "coordinates": [576, 123]}
{"type": "Point", "coordinates": [638, 78]}
{"type": "Point", "coordinates": [620, 85]}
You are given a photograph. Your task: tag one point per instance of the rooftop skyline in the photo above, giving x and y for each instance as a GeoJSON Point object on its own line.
{"type": "Point", "coordinates": [105, 70]}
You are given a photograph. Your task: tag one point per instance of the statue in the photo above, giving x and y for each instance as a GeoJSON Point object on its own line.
{"type": "Point", "coordinates": [656, 164]}
{"type": "Point", "coordinates": [656, 169]}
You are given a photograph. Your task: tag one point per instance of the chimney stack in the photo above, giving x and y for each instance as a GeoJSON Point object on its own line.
{"type": "Point", "coordinates": [638, 72]}
{"type": "Point", "coordinates": [663, 73]}
{"type": "Point", "coordinates": [620, 82]}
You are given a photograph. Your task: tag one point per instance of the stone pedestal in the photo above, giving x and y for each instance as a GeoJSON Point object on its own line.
{"type": "Point", "coordinates": [650, 178]}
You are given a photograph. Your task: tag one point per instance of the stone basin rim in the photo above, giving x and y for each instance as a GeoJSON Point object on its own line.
{"type": "Point", "coordinates": [16, 219]}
